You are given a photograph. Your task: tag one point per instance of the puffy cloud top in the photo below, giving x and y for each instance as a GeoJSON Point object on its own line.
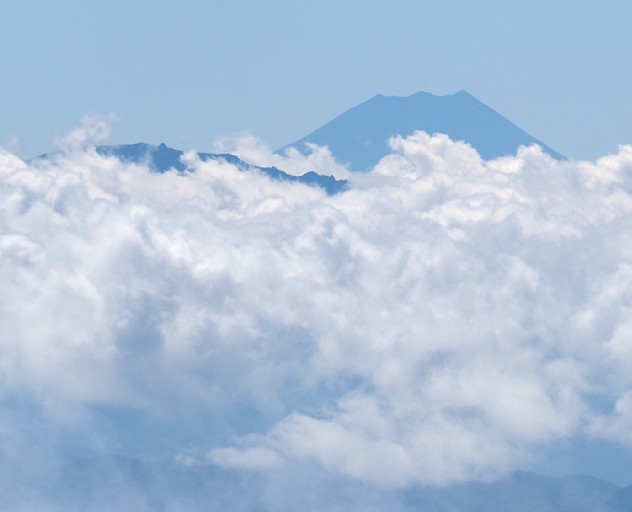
{"type": "Point", "coordinates": [440, 321]}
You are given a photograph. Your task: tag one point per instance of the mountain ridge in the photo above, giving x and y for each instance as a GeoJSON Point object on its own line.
{"type": "Point", "coordinates": [162, 158]}
{"type": "Point", "coordinates": [111, 482]}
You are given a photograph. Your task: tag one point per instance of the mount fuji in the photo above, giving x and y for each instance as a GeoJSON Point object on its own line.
{"type": "Point", "coordinates": [359, 136]}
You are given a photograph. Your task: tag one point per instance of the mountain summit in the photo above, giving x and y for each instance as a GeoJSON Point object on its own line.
{"type": "Point", "coordinates": [359, 136]}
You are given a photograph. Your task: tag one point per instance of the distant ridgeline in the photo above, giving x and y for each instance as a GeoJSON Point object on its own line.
{"type": "Point", "coordinates": [359, 136]}
{"type": "Point", "coordinates": [162, 158]}
{"type": "Point", "coordinates": [109, 482]}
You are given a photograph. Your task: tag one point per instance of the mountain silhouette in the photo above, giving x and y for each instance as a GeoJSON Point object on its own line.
{"type": "Point", "coordinates": [163, 158]}
{"type": "Point", "coordinates": [522, 492]}
{"type": "Point", "coordinates": [114, 483]}
{"type": "Point", "coordinates": [359, 136]}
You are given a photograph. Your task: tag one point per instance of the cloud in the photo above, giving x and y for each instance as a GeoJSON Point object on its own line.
{"type": "Point", "coordinates": [444, 320]}
{"type": "Point", "coordinates": [254, 151]}
{"type": "Point", "coordinates": [93, 130]}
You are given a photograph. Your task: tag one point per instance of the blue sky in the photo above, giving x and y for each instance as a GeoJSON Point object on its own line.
{"type": "Point", "coordinates": [189, 72]}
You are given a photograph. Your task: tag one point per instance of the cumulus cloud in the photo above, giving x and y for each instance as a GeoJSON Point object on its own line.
{"type": "Point", "coordinates": [441, 321]}
{"type": "Point", "coordinates": [93, 130]}
{"type": "Point", "coordinates": [254, 151]}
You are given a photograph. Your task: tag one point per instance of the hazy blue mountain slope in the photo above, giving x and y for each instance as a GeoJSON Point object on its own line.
{"type": "Point", "coordinates": [621, 501]}
{"type": "Point", "coordinates": [359, 135]}
{"type": "Point", "coordinates": [162, 158]}
{"type": "Point", "coordinates": [523, 492]}
{"type": "Point", "coordinates": [118, 483]}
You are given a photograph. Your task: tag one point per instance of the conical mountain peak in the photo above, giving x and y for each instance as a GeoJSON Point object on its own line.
{"type": "Point", "coordinates": [359, 136]}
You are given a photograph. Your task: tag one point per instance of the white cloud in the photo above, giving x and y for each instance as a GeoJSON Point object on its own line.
{"type": "Point", "coordinates": [258, 458]}
{"type": "Point", "coordinates": [93, 130]}
{"type": "Point", "coordinates": [441, 321]}
{"type": "Point", "coordinates": [254, 151]}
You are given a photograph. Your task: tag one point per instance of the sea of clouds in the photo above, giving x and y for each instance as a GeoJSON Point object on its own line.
{"type": "Point", "coordinates": [443, 320]}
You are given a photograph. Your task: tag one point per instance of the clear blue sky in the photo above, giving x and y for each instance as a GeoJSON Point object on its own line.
{"type": "Point", "coordinates": [188, 72]}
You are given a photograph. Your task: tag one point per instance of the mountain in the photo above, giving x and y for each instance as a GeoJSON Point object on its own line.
{"type": "Point", "coordinates": [117, 483]}
{"type": "Point", "coordinates": [621, 501]}
{"type": "Point", "coordinates": [359, 135]}
{"type": "Point", "coordinates": [162, 158]}
{"type": "Point", "coordinates": [522, 492]}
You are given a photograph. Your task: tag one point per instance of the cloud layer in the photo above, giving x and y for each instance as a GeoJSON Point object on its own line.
{"type": "Point", "coordinates": [441, 321]}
